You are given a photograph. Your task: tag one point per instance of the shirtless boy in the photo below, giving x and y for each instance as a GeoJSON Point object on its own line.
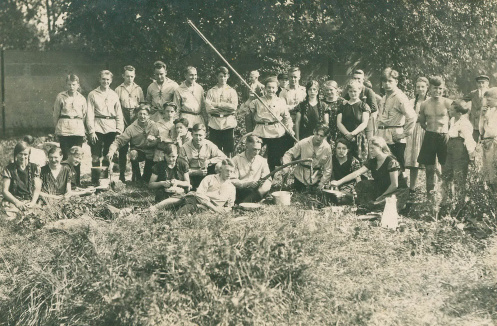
{"type": "Point", "coordinates": [434, 119]}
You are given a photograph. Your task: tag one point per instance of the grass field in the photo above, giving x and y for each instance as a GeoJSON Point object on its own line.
{"type": "Point", "coordinates": [296, 265]}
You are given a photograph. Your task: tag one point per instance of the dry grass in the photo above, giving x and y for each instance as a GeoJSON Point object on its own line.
{"type": "Point", "coordinates": [280, 266]}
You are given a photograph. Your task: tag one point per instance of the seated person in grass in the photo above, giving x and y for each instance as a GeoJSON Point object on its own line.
{"type": "Point", "coordinates": [142, 135]}
{"type": "Point", "coordinates": [21, 183]}
{"type": "Point", "coordinates": [201, 154]}
{"type": "Point", "coordinates": [215, 193]}
{"type": "Point", "coordinates": [55, 177]}
{"type": "Point", "coordinates": [387, 178]}
{"type": "Point", "coordinates": [342, 165]}
{"type": "Point", "coordinates": [316, 148]}
{"type": "Point", "coordinates": [74, 158]}
{"type": "Point", "coordinates": [165, 125]}
{"type": "Point", "coordinates": [250, 167]}
{"type": "Point", "coordinates": [170, 179]}
{"type": "Point", "coordinates": [181, 133]}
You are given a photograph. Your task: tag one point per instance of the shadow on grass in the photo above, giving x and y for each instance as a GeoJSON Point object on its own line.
{"type": "Point", "coordinates": [468, 301]}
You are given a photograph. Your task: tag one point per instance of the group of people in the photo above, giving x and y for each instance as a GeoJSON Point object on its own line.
{"type": "Point", "coordinates": [185, 137]}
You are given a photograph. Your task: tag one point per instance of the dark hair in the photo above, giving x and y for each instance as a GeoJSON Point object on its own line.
{"type": "Point", "coordinates": [344, 141]}
{"type": "Point", "coordinates": [358, 72]}
{"type": "Point", "coordinates": [171, 104]}
{"type": "Point", "coordinates": [253, 139]}
{"type": "Point", "coordinates": [76, 151]}
{"type": "Point", "coordinates": [308, 87]}
{"type": "Point", "coordinates": [436, 81]}
{"type": "Point", "coordinates": [159, 65]}
{"type": "Point", "coordinates": [389, 73]}
{"type": "Point", "coordinates": [20, 147]}
{"type": "Point", "coordinates": [322, 127]}
{"type": "Point", "coordinates": [29, 139]}
{"type": "Point", "coordinates": [169, 148]}
{"type": "Point", "coordinates": [223, 70]}
{"type": "Point", "coordinates": [459, 107]}
{"type": "Point", "coordinates": [54, 149]}
{"type": "Point", "coordinates": [183, 121]}
{"type": "Point", "coordinates": [198, 127]}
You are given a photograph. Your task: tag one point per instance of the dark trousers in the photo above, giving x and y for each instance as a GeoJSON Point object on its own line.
{"type": "Point", "coordinates": [101, 146]}
{"type": "Point", "coordinates": [147, 170]}
{"type": "Point", "coordinates": [247, 195]}
{"type": "Point", "coordinates": [66, 142]}
{"type": "Point", "coordinates": [224, 139]}
{"type": "Point", "coordinates": [299, 186]}
{"type": "Point", "coordinates": [196, 179]}
{"type": "Point", "coordinates": [123, 159]}
{"type": "Point", "coordinates": [276, 148]}
{"type": "Point", "coordinates": [398, 150]}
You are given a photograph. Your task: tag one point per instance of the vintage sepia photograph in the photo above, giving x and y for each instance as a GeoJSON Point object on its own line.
{"type": "Point", "coordinates": [248, 162]}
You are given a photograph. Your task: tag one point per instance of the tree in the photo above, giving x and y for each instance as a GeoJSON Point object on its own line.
{"type": "Point", "coordinates": [17, 29]}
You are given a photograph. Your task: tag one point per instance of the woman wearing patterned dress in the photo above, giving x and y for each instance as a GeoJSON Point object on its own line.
{"type": "Point", "coordinates": [413, 144]}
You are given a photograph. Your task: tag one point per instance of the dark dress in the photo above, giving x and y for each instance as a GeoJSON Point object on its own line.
{"type": "Point", "coordinates": [351, 119]}
{"type": "Point", "coordinates": [21, 181]}
{"type": "Point", "coordinates": [55, 186]}
{"type": "Point", "coordinates": [369, 190]}
{"type": "Point", "coordinates": [310, 117]}
{"type": "Point", "coordinates": [75, 177]}
{"type": "Point", "coordinates": [332, 110]}
{"type": "Point", "coordinates": [164, 173]}
{"type": "Point", "coordinates": [341, 170]}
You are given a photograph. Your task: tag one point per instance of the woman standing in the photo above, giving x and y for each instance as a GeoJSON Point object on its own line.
{"type": "Point", "coordinates": [352, 120]}
{"type": "Point", "coordinates": [310, 112]}
{"type": "Point", "coordinates": [21, 183]}
{"type": "Point", "coordinates": [413, 143]}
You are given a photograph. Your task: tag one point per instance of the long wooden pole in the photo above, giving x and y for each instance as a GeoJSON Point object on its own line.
{"type": "Point", "coordinates": [238, 75]}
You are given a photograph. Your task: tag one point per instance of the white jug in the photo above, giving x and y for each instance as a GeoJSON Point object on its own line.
{"type": "Point", "coordinates": [390, 217]}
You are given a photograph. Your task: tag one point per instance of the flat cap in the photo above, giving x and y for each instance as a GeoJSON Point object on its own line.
{"type": "Point", "coordinates": [482, 77]}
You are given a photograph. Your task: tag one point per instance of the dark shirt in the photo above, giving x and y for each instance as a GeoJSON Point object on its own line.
{"type": "Point", "coordinates": [310, 117]}
{"type": "Point", "coordinates": [164, 173]}
{"type": "Point", "coordinates": [55, 186]}
{"type": "Point", "coordinates": [21, 181]}
{"type": "Point", "coordinates": [75, 180]}
{"type": "Point", "coordinates": [341, 170]}
{"type": "Point", "coordinates": [332, 110]}
{"type": "Point", "coordinates": [352, 114]}
{"type": "Point", "coordinates": [368, 96]}
{"type": "Point", "coordinates": [381, 176]}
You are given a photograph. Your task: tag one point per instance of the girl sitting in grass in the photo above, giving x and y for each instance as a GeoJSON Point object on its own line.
{"type": "Point", "coordinates": [387, 178]}
{"type": "Point", "coordinates": [342, 165]}
{"type": "Point", "coordinates": [74, 158]}
{"type": "Point", "coordinates": [55, 177]}
{"type": "Point", "coordinates": [21, 183]}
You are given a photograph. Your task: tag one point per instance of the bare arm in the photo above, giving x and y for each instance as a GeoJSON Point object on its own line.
{"type": "Point", "coordinates": [36, 193]}
{"type": "Point", "coordinates": [350, 176]}
{"type": "Point", "coordinates": [298, 117]}
{"type": "Point", "coordinates": [363, 125]}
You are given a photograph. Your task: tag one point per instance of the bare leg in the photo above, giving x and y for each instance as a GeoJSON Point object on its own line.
{"type": "Point", "coordinates": [413, 178]}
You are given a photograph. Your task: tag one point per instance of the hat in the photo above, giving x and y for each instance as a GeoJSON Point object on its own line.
{"type": "Point", "coordinates": [482, 77]}
{"type": "Point", "coordinates": [283, 76]}
{"type": "Point", "coordinates": [492, 92]}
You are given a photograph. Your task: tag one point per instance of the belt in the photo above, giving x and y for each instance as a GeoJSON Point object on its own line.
{"type": "Point", "coordinates": [389, 127]}
{"type": "Point", "coordinates": [69, 117]}
{"type": "Point", "coordinates": [129, 109]}
{"type": "Point", "coordinates": [485, 138]}
{"type": "Point", "coordinates": [309, 167]}
{"type": "Point", "coordinates": [267, 123]}
{"type": "Point", "coordinates": [106, 117]}
{"type": "Point", "coordinates": [192, 113]}
{"type": "Point", "coordinates": [221, 115]}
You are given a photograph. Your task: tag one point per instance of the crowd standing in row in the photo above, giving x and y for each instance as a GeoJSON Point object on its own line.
{"type": "Point", "coordinates": [338, 137]}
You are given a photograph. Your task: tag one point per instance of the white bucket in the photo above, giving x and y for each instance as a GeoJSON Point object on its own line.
{"type": "Point", "coordinates": [282, 198]}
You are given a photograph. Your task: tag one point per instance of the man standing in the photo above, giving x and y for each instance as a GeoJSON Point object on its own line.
{"type": "Point", "coordinates": [476, 98]}
{"type": "Point", "coordinates": [282, 83]}
{"type": "Point", "coordinates": [295, 93]}
{"type": "Point", "coordinates": [256, 87]}
{"type": "Point", "coordinates": [221, 104]}
{"type": "Point", "coordinates": [106, 118]}
{"type": "Point", "coordinates": [368, 96]}
{"type": "Point", "coordinates": [434, 119]}
{"type": "Point", "coordinates": [160, 91]}
{"type": "Point", "coordinates": [189, 98]}
{"type": "Point", "coordinates": [130, 96]}
{"type": "Point", "coordinates": [398, 118]}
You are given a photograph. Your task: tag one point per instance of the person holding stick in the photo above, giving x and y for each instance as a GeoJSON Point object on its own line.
{"type": "Point", "coordinates": [250, 167]}
{"type": "Point", "coordinates": [271, 129]}
{"type": "Point", "coordinates": [318, 171]}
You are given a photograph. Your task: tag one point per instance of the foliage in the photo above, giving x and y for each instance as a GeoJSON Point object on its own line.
{"type": "Point", "coordinates": [18, 30]}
